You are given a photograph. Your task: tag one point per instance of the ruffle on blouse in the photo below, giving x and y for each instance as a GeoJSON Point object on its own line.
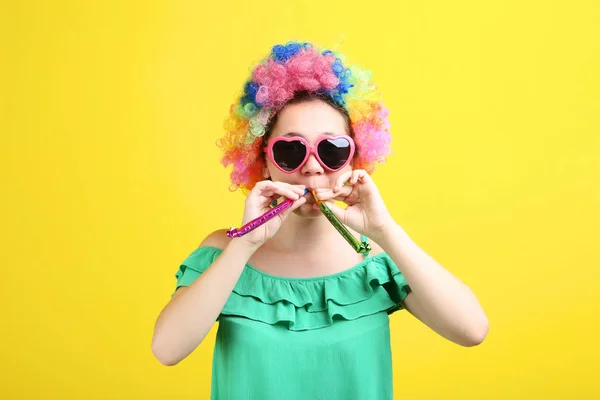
{"type": "Point", "coordinates": [373, 286]}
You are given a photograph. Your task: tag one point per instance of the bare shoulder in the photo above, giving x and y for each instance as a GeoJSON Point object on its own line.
{"type": "Point", "coordinates": [216, 239]}
{"type": "Point", "coordinates": [375, 248]}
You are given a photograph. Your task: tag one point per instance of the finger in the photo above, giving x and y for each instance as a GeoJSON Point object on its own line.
{"type": "Point", "coordinates": [341, 180]}
{"type": "Point", "coordinates": [295, 205]}
{"type": "Point", "coordinates": [359, 174]}
{"type": "Point", "coordinates": [270, 196]}
{"type": "Point", "coordinates": [325, 194]}
{"type": "Point", "coordinates": [352, 198]}
{"type": "Point", "coordinates": [269, 191]}
{"type": "Point", "coordinates": [272, 184]}
{"type": "Point", "coordinates": [283, 191]}
{"type": "Point", "coordinates": [297, 188]}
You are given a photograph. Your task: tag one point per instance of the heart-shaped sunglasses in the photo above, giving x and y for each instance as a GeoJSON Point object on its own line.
{"type": "Point", "coordinates": [289, 153]}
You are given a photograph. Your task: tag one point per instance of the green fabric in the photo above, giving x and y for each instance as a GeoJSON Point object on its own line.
{"type": "Point", "coordinates": [304, 338]}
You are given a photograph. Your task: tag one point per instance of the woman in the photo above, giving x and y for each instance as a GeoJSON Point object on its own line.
{"type": "Point", "coordinates": [302, 314]}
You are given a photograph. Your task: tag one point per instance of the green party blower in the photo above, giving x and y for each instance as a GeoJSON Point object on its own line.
{"type": "Point", "coordinates": [360, 247]}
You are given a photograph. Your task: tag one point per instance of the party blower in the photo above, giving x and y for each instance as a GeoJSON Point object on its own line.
{"type": "Point", "coordinates": [255, 223]}
{"type": "Point", "coordinates": [360, 247]}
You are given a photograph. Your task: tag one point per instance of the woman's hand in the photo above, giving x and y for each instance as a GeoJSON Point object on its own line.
{"type": "Point", "coordinates": [258, 202]}
{"type": "Point", "coordinates": [366, 212]}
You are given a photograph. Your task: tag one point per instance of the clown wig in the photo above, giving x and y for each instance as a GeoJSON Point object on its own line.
{"type": "Point", "coordinates": [290, 70]}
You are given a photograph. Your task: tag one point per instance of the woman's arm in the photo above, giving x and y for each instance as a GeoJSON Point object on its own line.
{"type": "Point", "coordinates": [187, 318]}
{"type": "Point", "coordinates": [437, 298]}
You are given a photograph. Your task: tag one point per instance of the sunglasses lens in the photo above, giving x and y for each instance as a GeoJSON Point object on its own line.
{"type": "Point", "coordinates": [289, 155]}
{"type": "Point", "coordinates": [334, 152]}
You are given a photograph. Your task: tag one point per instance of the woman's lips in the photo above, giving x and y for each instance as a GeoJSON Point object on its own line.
{"type": "Point", "coordinates": [310, 199]}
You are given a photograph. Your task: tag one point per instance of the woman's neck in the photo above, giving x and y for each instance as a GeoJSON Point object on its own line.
{"type": "Point", "coordinates": [306, 234]}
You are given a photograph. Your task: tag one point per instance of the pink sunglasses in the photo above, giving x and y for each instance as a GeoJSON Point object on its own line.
{"type": "Point", "coordinates": [290, 153]}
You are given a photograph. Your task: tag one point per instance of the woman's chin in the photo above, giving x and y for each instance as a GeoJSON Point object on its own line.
{"type": "Point", "coordinates": [307, 210]}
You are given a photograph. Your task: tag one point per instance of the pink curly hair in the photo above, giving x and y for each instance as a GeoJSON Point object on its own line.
{"type": "Point", "coordinates": [293, 73]}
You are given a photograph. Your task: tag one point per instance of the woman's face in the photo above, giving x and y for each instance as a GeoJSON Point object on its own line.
{"type": "Point", "coordinates": [311, 120]}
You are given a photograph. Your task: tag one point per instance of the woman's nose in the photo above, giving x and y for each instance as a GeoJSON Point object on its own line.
{"type": "Point", "coordinates": [312, 166]}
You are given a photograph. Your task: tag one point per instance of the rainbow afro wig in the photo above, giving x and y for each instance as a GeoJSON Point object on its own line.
{"type": "Point", "coordinates": [289, 69]}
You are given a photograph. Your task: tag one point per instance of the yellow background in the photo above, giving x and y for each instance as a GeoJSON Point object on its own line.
{"type": "Point", "coordinates": [110, 178]}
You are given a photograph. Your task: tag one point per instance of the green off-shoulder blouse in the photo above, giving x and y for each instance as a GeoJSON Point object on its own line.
{"type": "Point", "coordinates": [326, 337]}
